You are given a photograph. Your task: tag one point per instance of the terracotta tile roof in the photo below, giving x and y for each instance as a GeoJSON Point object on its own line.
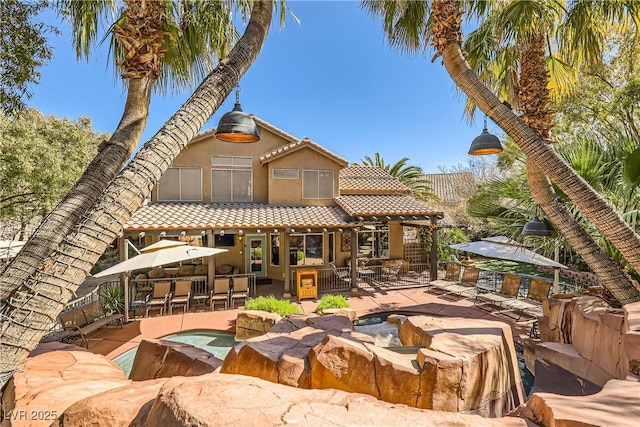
{"type": "Point", "coordinates": [188, 216]}
{"type": "Point", "coordinates": [384, 205]}
{"type": "Point", "coordinates": [266, 125]}
{"type": "Point", "coordinates": [369, 180]}
{"type": "Point", "coordinates": [298, 145]}
{"type": "Point", "coordinates": [452, 188]}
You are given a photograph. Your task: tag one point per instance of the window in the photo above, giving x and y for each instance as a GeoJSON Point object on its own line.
{"type": "Point", "coordinates": [180, 184]}
{"type": "Point", "coordinates": [373, 242]}
{"type": "Point", "coordinates": [286, 174]}
{"type": "Point", "coordinates": [275, 250]}
{"type": "Point", "coordinates": [306, 249]}
{"type": "Point", "coordinates": [234, 161]}
{"type": "Point", "coordinates": [231, 179]}
{"type": "Point", "coordinates": [224, 240]}
{"type": "Point", "coordinates": [317, 184]}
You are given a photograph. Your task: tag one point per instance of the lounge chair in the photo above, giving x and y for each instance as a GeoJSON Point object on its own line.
{"type": "Point", "coordinates": [220, 292]}
{"type": "Point", "coordinates": [508, 291]}
{"type": "Point", "coordinates": [532, 304]}
{"type": "Point", "coordinates": [181, 295]}
{"type": "Point", "coordinates": [159, 298]}
{"type": "Point", "coordinates": [468, 286]}
{"type": "Point", "coordinates": [240, 290]}
{"type": "Point", "coordinates": [452, 277]}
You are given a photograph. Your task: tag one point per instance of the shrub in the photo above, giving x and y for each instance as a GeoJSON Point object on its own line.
{"type": "Point", "coordinates": [112, 299]}
{"type": "Point", "coordinates": [331, 301]}
{"type": "Point", "coordinates": [272, 305]}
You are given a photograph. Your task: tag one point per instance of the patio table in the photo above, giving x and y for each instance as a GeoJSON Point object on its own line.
{"type": "Point", "coordinates": [366, 274]}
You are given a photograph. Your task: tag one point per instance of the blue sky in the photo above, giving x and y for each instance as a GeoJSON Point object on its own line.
{"type": "Point", "coordinates": [332, 78]}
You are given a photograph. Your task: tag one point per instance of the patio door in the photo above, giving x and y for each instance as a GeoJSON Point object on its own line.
{"type": "Point", "coordinates": [255, 255]}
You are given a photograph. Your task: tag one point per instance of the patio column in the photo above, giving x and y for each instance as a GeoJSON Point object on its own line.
{"type": "Point", "coordinates": [211, 265]}
{"type": "Point", "coordinates": [433, 257]}
{"type": "Point", "coordinates": [284, 256]}
{"type": "Point", "coordinates": [354, 260]}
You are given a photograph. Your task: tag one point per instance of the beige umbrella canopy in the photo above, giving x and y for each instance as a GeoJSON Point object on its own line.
{"type": "Point", "coordinates": [162, 244]}
{"type": "Point", "coordinates": [159, 256]}
{"type": "Point", "coordinates": [160, 253]}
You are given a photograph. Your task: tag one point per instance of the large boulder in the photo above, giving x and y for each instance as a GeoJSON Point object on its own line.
{"type": "Point", "coordinates": [468, 365]}
{"type": "Point", "coordinates": [240, 400]}
{"type": "Point", "coordinates": [54, 377]}
{"type": "Point", "coordinates": [122, 406]}
{"type": "Point", "coordinates": [632, 337]}
{"type": "Point", "coordinates": [584, 344]}
{"type": "Point", "coordinates": [452, 364]}
{"type": "Point", "coordinates": [163, 359]}
{"type": "Point", "coordinates": [617, 404]}
{"type": "Point", "coordinates": [253, 323]}
{"type": "Point", "coordinates": [343, 364]}
{"type": "Point", "coordinates": [281, 355]}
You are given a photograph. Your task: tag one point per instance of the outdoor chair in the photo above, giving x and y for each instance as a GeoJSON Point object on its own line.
{"type": "Point", "coordinates": [508, 292]}
{"type": "Point", "coordinates": [468, 286]}
{"type": "Point", "coordinates": [452, 277]}
{"type": "Point", "coordinates": [392, 272]}
{"type": "Point", "coordinates": [159, 298]}
{"type": "Point", "coordinates": [532, 304]}
{"type": "Point", "coordinates": [220, 292]}
{"type": "Point", "coordinates": [341, 275]}
{"type": "Point", "coordinates": [181, 295]}
{"type": "Point", "coordinates": [240, 290]}
{"type": "Point", "coordinates": [201, 291]}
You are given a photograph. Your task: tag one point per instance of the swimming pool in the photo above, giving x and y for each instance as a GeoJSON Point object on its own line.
{"type": "Point", "coordinates": [216, 343]}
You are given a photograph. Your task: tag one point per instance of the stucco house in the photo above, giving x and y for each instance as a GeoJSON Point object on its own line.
{"type": "Point", "coordinates": [277, 205]}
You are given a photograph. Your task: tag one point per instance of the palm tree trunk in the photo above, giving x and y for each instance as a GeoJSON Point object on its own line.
{"type": "Point", "coordinates": [564, 222]}
{"type": "Point", "coordinates": [535, 104]}
{"type": "Point", "coordinates": [102, 169]}
{"type": "Point", "coordinates": [594, 207]}
{"type": "Point", "coordinates": [32, 308]}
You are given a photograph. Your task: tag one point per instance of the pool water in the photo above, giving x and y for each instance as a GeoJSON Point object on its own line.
{"type": "Point", "coordinates": [216, 343]}
{"type": "Point", "coordinates": [385, 334]}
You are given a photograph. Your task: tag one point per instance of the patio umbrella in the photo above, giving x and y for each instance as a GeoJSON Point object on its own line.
{"type": "Point", "coordinates": [504, 248]}
{"type": "Point", "coordinates": [156, 255]}
{"type": "Point", "coordinates": [162, 244]}
{"type": "Point", "coordinates": [160, 257]}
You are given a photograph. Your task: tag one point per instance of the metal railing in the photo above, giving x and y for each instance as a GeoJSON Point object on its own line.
{"type": "Point", "coordinates": [409, 275]}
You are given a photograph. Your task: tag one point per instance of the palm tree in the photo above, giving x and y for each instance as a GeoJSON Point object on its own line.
{"type": "Point", "coordinates": [31, 309]}
{"type": "Point", "coordinates": [523, 30]}
{"type": "Point", "coordinates": [441, 25]}
{"type": "Point", "coordinates": [411, 176]}
{"type": "Point", "coordinates": [153, 41]}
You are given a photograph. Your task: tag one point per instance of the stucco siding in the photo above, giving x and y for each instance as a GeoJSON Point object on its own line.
{"type": "Point", "coordinates": [289, 192]}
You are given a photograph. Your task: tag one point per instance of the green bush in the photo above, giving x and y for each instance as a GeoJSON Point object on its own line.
{"type": "Point", "coordinates": [272, 305]}
{"type": "Point", "coordinates": [112, 299]}
{"type": "Point", "coordinates": [331, 301]}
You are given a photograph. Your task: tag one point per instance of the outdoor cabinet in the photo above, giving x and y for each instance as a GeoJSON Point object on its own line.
{"type": "Point", "coordinates": [307, 284]}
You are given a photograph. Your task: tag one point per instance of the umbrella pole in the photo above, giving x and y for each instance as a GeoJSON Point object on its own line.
{"type": "Point", "coordinates": [126, 298]}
